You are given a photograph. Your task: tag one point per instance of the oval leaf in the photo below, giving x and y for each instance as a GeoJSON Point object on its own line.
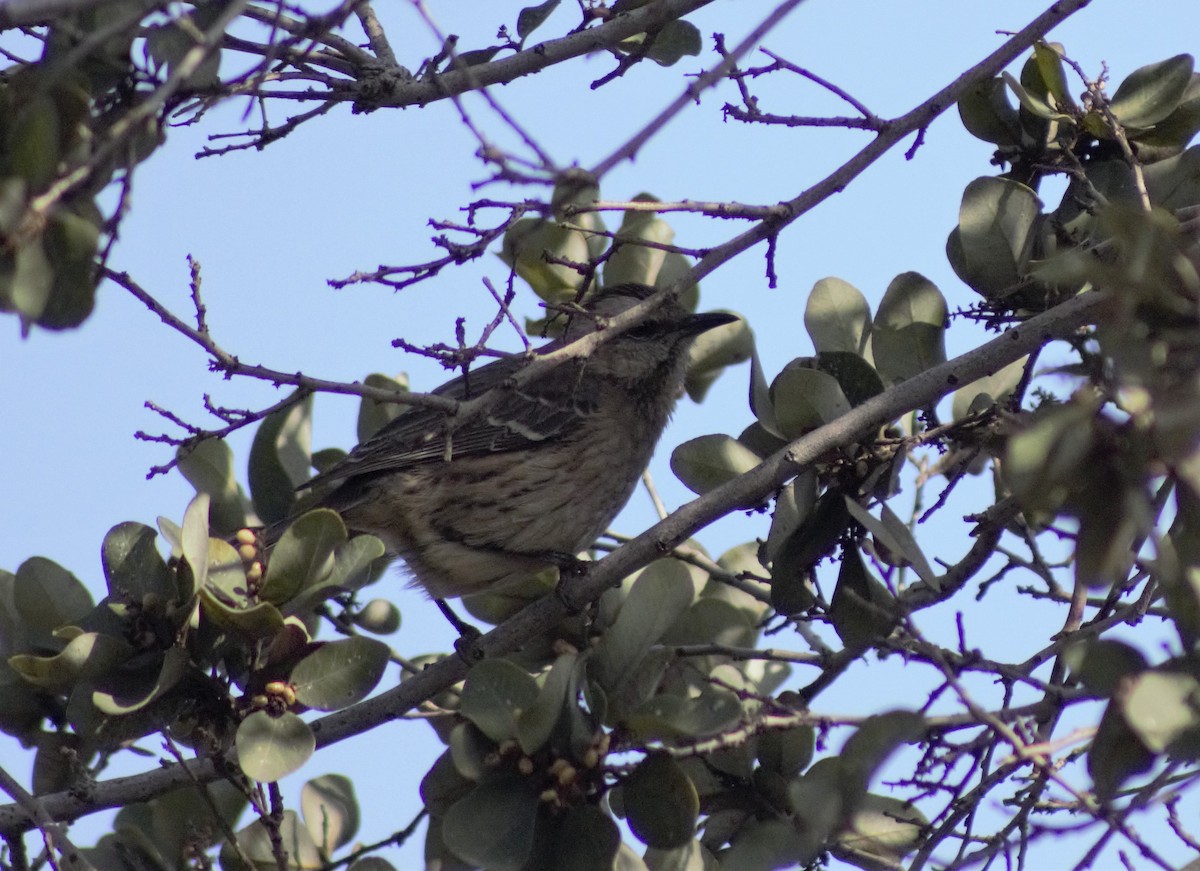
{"type": "Point", "coordinates": [339, 673]}
{"type": "Point", "coordinates": [330, 811]}
{"type": "Point", "coordinates": [909, 334]}
{"type": "Point", "coordinates": [806, 399]}
{"type": "Point", "coordinates": [496, 693]}
{"type": "Point", "coordinates": [995, 235]}
{"type": "Point", "coordinates": [280, 458]}
{"type": "Point", "coordinates": [1151, 93]}
{"type": "Point", "coordinates": [493, 826]}
{"type": "Point", "coordinates": [133, 567]}
{"type": "Point", "coordinates": [270, 748]}
{"type": "Point", "coordinates": [661, 804]}
{"type": "Point", "coordinates": [303, 557]}
{"type": "Point", "coordinates": [707, 462]}
{"type": "Point", "coordinates": [862, 609]}
{"type": "Point", "coordinates": [47, 596]}
{"type": "Point", "coordinates": [837, 317]}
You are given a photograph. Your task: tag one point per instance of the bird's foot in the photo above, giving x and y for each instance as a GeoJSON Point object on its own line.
{"type": "Point", "coordinates": [570, 567]}
{"type": "Point", "coordinates": [464, 645]}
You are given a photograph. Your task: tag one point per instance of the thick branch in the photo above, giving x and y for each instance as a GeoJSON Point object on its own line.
{"type": "Point", "coordinates": [419, 92]}
{"type": "Point", "coordinates": [750, 489]}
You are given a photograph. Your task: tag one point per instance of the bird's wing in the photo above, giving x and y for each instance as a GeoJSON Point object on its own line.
{"type": "Point", "coordinates": [546, 407]}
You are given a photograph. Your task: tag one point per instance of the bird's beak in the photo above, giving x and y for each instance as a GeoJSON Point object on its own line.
{"type": "Point", "coordinates": [702, 322]}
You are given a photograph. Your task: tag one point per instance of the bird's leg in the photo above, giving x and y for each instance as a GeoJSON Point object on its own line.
{"type": "Point", "coordinates": [569, 568]}
{"type": "Point", "coordinates": [464, 645]}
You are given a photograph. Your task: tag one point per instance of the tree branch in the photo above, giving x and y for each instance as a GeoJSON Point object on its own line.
{"type": "Point", "coordinates": [750, 489]}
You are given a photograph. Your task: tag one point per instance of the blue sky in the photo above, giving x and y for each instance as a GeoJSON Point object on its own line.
{"type": "Point", "coordinates": [348, 193]}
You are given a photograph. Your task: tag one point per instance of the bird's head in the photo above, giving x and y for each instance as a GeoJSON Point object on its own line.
{"type": "Point", "coordinates": [654, 349]}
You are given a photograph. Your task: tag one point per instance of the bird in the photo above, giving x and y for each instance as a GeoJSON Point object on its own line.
{"type": "Point", "coordinates": [530, 483]}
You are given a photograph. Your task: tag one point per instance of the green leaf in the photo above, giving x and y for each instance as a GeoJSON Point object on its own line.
{"type": "Point", "coordinates": [531, 18]}
{"type": "Point", "coordinates": [190, 817]}
{"type": "Point", "coordinates": [991, 247]}
{"type": "Point", "coordinates": [816, 800]}
{"type": "Point", "coordinates": [1163, 708]}
{"type": "Point", "coordinates": [706, 462]}
{"type": "Point", "coordinates": [527, 245]}
{"type": "Point", "coordinates": [1151, 93]}
{"type": "Point", "coordinates": [279, 460]}
{"type": "Point", "coordinates": [586, 839]}
{"type": "Point", "coordinates": [330, 811]}
{"type": "Point", "coordinates": [209, 468]}
{"type": "Point", "coordinates": [713, 620]}
{"type": "Point", "coordinates": [794, 504]}
{"type": "Point", "coordinates": [131, 689]}
{"type": "Point", "coordinates": [379, 617]}
{"type": "Point", "coordinates": [662, 592]}
{"type": "Point", "coordinates": [1101, 664]}
{"type": "Point", "coordinates": [340, 673]}
{"type": "Point", "coordinates": [863, 609]}
{"type": "Point", "coordinates": [47, 596]}
{"type": "Point", "coordinates": [990, 390]}
{"type": "Point", "coordinates": [133, 567]}
{"type": "Point", "coordinates": [304, 555]}
{"type": "Point", "coordinates": [805, 399]}
{"type": "Point", "coordinates": [880, 832]}
{"type": "Point", "coordinates": [865, 752]}
{"type": "Point", "coordinates": [664, 716]}
{"type": "Point", "coordinates": [1042, 463]}
{"type": "Point", "coordinates": [194, 539]}
{"type": "Point", "coordinates": [254, 621]}
{"type": "Point", "coordinates": [259, 845]}
{"type": "Point", "coordinates": [1048, 57]}
{"type": "Point", "coordinates": [71, 239]}
{"type": "Point", "coordinates": [1173, 183]}
{"type": "Point", "coordinates": [987, 114]}
{"type": "Point", "coordinates": [576, 186]}
{"type": "Point", "coordinates": [493, 826]}
{"type": "Point", "coordinates": [373, 414]}
{"type": "Point", "coordinates": [34, 141]}
{"type": "Point", "coordinates": [1177, 129]}
{"type": "Point", "coordinates": [1113, 516]}
{"type": "Point", "coordinates": [692, 856]}
{"type": "Point", "coordinates": [469, 748]}
{"type": "Point", "coordinates": [87, 656]}
{"type": "Point", "coordinates": [1030, 102]}
{"type": "Point", "coordinates": [270, 748]}
{"type": "Point", "coordinates": [787, 752]}
{"type": "Point", "coordinates": [838, 317]}
{"type": "Point", "coordinates": [857, 378]}
{"type": "Point", "coordinates": [474, 58]}
{"type": "Point", "coordinates": [170, 44]}
{"type": "Point", "coordinates": [632, 261]}
{"type": "Point", "coordinates": [661, 804]}
{"type": "Point", "coordinates": [909, 332]}
{"type": "Point", "coordinates": [536, 723]}
{"type": "Point", "coordinates": [497, 693]}
{"type": "Point", "coordinates": [1116, 754]}
{"type": "Point", "coordinates": [763, 845]}
{"type": "Point", "coordinates": [760, 399]}
{"type": "Point", "coordinates": [713, 351]}
{"type": "Point", "coordinates": [797, 553]}
{"type": "Point", "coordinates": [226, 575]}
{"type": "Point", "coordinates": [677, 39]}
{"type": "Point", "coordinates": [443, 785]}
{"type": "Point", "coordinates": [27, 281]}
{"type": "Point", "coordinates": [895, 535]}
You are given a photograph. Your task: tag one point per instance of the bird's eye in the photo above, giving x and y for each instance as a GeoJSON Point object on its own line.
{"type": "Point", "coordinates": [643, 331]}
